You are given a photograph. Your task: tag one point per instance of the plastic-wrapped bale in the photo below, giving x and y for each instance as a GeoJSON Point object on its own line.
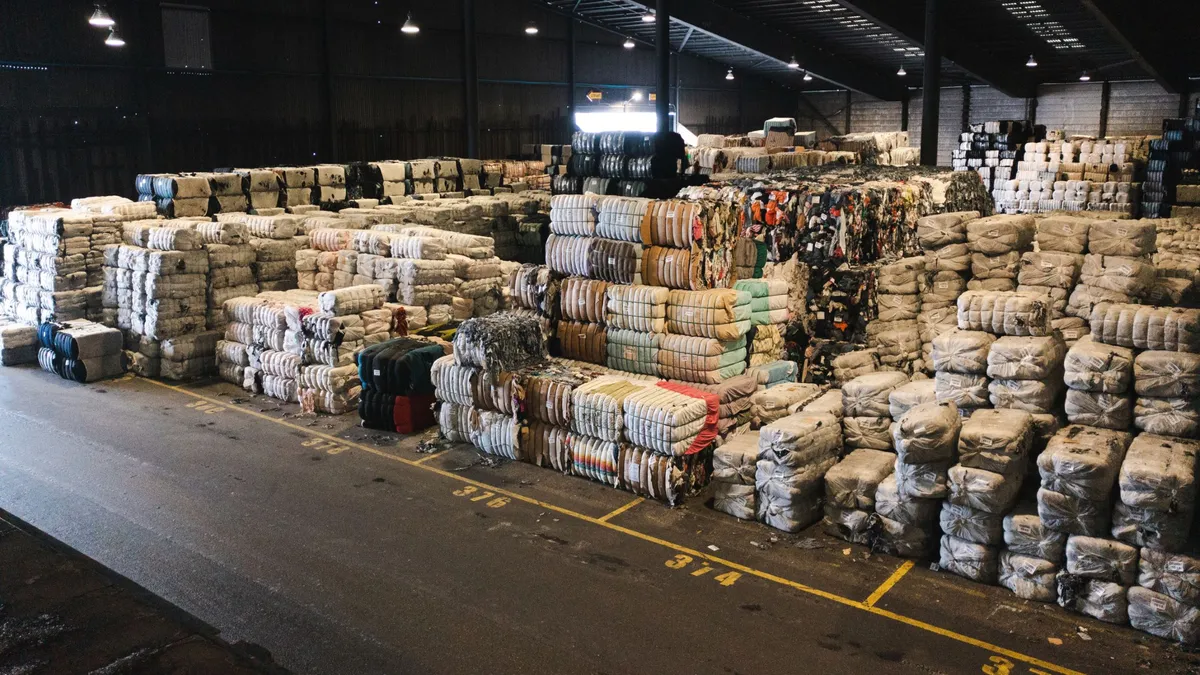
{"type": "Point", "coordinates": [1118, 274]}
{"type": "Point", "coordinates": [971, 524]}
{"type": "Point", "coordinates": [970, 560]}
{"type": "Point", "coordinates": [1167, 416]}
{"type": "Point", "coordinates": [1102, 559]}
{"type": "Point", "coordinates": [772, 404]}
{"type": "Point", "coordinates": [1122, 237]}
{"type": "Point", "coordinates": [898, 348]}
{"type": "Point", "coordinates": [1005, 313]}
{"type": "Point", "coordinates": [18, 343]}
{"type": "Point", "coordinates": [830, 402]}
{"type": "Point", "coordinates": [941, 289]}
{"type": "Point", "coordinates": [721, 314]}
{"type": "Point", "coordinates": [983, 490]}
{"type": "Point", "coordinates": [954, 258]}
{"type": "Point", "coordinates": [962, 351]}
{"type": "Point", "coordinates": [597, 406]}
{"type": "Point", "coordinates": [1059, 298]}
{"type": "Point", "coordinates": [671, 419]}
{"type": "Point", "coordinates": [734, 396]}
{"type": "Point", "coordinates": [639, 308]}
{"type": "Point", "coordinates": [1101, 600]}
{"type": "Point", "coordinates": [1026, 535]}
{"type": "Point", "coordinates": [1063, 234]}
{"type": "Point", "coordinates": [1094, 367]}
{"type": "Point", "coordinates": [901, 277]}
{"type": "Point", "coordinates": [927, 433]}
{"type": "Point", "coordinates": [867, 395]}
{"type": "Point", "coordinates": [907, 396]}
{"type": "Point", "coordinates": [794, 456]}
{"type": "Point", "coordinates": [1029, 578]}
{"type": "Point", "coordinates": [1084, 300]}
{"type": "Point", "coordinates": [775, 373]}
{"type": "Point", "coordinates": [500, 342]}
{"type": "Point", "coordinates": [967, 391]}
{"type": "Point", "coordinates": [1157, 493]}
{"type": "Point", "coordinates": [895, 307]}
{"type": "Point", "coordinates": [573, 214]}
{"type": "Point", "coordinates": [768, 300]}
{"type": "Point", "coordinates": [996, 441]}
{"type": "Point", "coordinates": [1163, 616]}
{"type": "Point", "coordinates": [1169, 329]}
{"type": "Point", "coordinates": [1098, 409]}
{"type": "Point", "coordinates": [850, 488]}
{"type": "Point", "coordinates": [850, 365]}
{"type": "Point", "coordinates": [1072, 329]}
{"type": "Point", "coordinates": [1173, 575]}
{"type": "Point", "coordinates": [733, 479]}
{"type": "Point", "coordinates": [1025, 358]}
{"type": "Point", "coordinates": [1161, 374]}
{"type": "Point", "coordinates": [1050, 269]}
{"type": "Point", "coordinates": [1035, 396]}
{"type": "Point", "coordinates": [1078, 469]}
{"type": "Point", "coordinates": [998, 235]}
{"type": "Point", "coordinates": [937, 231]}
{"type": "Point", "coordinates": [906, 527]}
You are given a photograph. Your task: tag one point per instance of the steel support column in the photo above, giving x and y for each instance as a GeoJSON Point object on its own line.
{"type": "Point", "coordinates": [1105, 99]}
{"type": "Point", "coordinates": [662, 52]}
{"type": "Point", "coordinates": [470, 79]}
{"type": "Point", "coordinates": [931, 99]}
{"type": "Point", "coordinates": [571, 74]}
{"type": "Point", "coordinates": [904, 111]}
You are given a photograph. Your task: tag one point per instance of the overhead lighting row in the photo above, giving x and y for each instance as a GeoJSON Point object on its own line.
{"type": "Point", "coordinates": [102, 19]}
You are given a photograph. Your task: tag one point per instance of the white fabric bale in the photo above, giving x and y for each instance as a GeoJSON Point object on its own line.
{"type": "Point", "coordinates": [962, 351]}
{"type": "Point", "coordinates": [942, 289]}
{"type": "Point", "coordinates": [1074, 515]}
{"type": "Point", "coordinates": [1072, 329]}
{"type": "Point", "coordinates": [1167, 416]}
{"type": "Point", "coordinates": [1167, 374]}
{"type": "Point", "coordinates": [1118, 274]}
{"type": "Point", "coordinates": [970, 560]}
{"type": "Point", "coordinates": [1059, 298]}
{"type": "Point", "coordinates": [850, 365]}
{"type": "Point", "coordinates": [1000, 270]}
{"type": "Point", "coordinates": [772, 404]}
{"type": "Point", "coordinates": [1004, 313]}
{"type": "Point", "coordinates": [907, 396]}
{"type": "Point", "coordinates": [1122, 237]}
{"type": "Point", "coordinates": [1064, 234]}
{"type": "Point", "coordinates": [1025, 358]}
{"type": "Point", "coordinates": [1098, 409]}
{"type": "Point", "coordinates": [662, 420]}
{"type": "Point", "coordinates": [928, 480]}
{"type": "Point", "coordinates": [1176, 576]}
{"type": "Point", "coordinates": [1083, 461]}
{"type": "Point", "coordinates": [1026, 534]}
{"type": "Point", "coordinates": [872, 433]}
{"type": "Point", "coordinates": [1029, 578]}
{"type": "Point", "coordinates": [969, 524]}
{"type": "Point", "coordinates": [901, 539]}
{"type": "Point", "coordinates": [852, 482]}
{"type": "Point", "coordinates": [938, 231]}
{"type": "Point", "coordinates": [598, 406]}
{"type": "Point", "coordinates": [1035, 396]}
{"type": "Point", "coordinates": [952, 258]}
{"type": "Point", "coordinates": [1095, 367]}
{"type": "Point", "coordinates": [853, 525]}
{"type": "Point", "coordinates": [735, 460]}
{"type": "Point", "coordinates": [927, 433]}
{"type": "Point", "coordinates": [1085, 299]}
{"type": "Point", "coordinates": [1158, 328]}
{"type": "Point", "coordinates": [793, 457]}
{"type": "Point", "coordinates": [983, 490]}
{"type": "Point", "coordinates": [1057, 270]}
{"type": "Point", "coordinates": [893, 505]}
{"type": "Point", "coordinates": [1160, 473]}
{"type": "Point", "coordinates": [1150, 528]}
{"type": "Point", "coordinates": [997, 235]}
{"type": "Point", "coordinates": [996, 440]}
{"type": "Point", "coordinates": [1098, 599]}
{"type": "Point", "coordinates": [963, 390]}
{"type": "Point", "coordinates": [739, 501]}
{"type": "Point", "coordinates": [830, 402]}
{"type": "Point", "coordinates": [1103, 559]}
{"type": "Point", "coordinates": [1163, 616]}
{"type": "Point", "coordinates": [901, 276]}
{"type": "Point", "coordinates": [867, 395]}
{"type": "Point", "coordinates": [352, 300]}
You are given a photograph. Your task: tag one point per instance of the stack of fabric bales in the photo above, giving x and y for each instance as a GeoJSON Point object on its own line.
{"type": "Point", "coordinates": [794, 455]}
{"type": "Point", "coordinates": [1027, 374]}
{"type": "Point", "coordinates": [983, 488]}
{"type": "Point", "coordinates": [943, 238]}
{"type": "Point", "coordinates": [108, 215]}
{"type": "Point", "coordinates": [533, 291]}
{"type": "Point", "coordinates": [275, 240]}
{"type": "Point", "coordinates": [1165, 602]}
{"type": "Point", "coordinates": [176, 195]}
{"type": "Point", "coordinates": [45, 265]}
{"type": "Point", "coordinates": [850, 489]}
{"type": "Point", "coordinates": [261, 188]}
{"type": "Point", "coordinates": [1118, 267]}
{"type": "Point", "coordinates": [231, 260]}
{"type": "Point", "coordinates": [581, 332]}
{"type": "Point", "coordinates": [80, 351]}
{"type": "Point", "coordinates": [636, 320]}
{"type": "Point", "coordinates": [960, 362]}
{"type": "Point", "coordinates": [924, 437]}
{"type": "Point", "coordinates": [1099, 381]}
{"type": "Point", "coordinates": [735, 466]}
{"type": "Point", "coordinates": [1033, 555]}
{"type": "Point", "coordinates": [736, 399]}
{"type": "Point", "coordinates": [769, 317]}
{"type": "Point", "coordinates": [706, 340]}
{"type": "Point", "coordinates": [1097, 578]}
{"type": "Point", "coordinates": [296, 186]}
{"type": "Point", "coordinates": [866, 417]}
{"type": "Point", "coordinates": [1157, 495]}
{"type": "Point", "coordinates": [330, 184]}
{"type": "Point", "coordinates": [894, 333]}
{"type": "Point", "coordinates": [1078, 470]}
{"type": "Point", "coordinates": [396, 382]}
{"type": "Point", "coordinates": [18, 343]}
{"type": "Point", "coordinates": [997, 244]}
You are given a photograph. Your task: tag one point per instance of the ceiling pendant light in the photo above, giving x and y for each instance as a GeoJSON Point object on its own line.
{"type": "Point", "coordinates": [729, 74]}
{"type": "Point", "coordinates": [113, 39]}
{"type": "Point", "coordinates": [648, 17]}
{"type": "Point", "coordinates": [807, 76]}
{"type": "Point", "coordinates": [794, 64]}
{"type": "Point", "coordinates": [531, 29]}
{"type": "Point", "coordinates": [1031, 63]}
{"type": "Point", "coordinates": [1085, 77]}
{"type": "Point", "coordinates": [628, 43]}
{"type": "Point", "coordinates": [101, 18]}
{"type": "Point", "coordinates": [410, 27]}
{"type": "Point", "coordinates": [902, 72]}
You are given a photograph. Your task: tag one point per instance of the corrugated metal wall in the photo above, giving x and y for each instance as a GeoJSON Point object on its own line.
{"type": "Point", "coordinates": [1139, 108]}
{"type": "Point", "coordinates": [989, 104]}
{"type": "Point", "coordinates": [869, 114]}
{"type": "Point", "coordinates": [1074, 108]}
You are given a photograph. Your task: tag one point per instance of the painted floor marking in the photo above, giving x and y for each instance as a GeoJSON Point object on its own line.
{"type": "Point", "coordinates": [891, 581]}
{"type": "Point", "coordinates": [612, 514]}
{"type": "Point", "coordinates": [833, 597]}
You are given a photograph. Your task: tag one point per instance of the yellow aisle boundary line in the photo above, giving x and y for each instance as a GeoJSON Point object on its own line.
{"type": "Point", "coordinates": [613, 514]}
{"type": "Point", "coordinates": [891, 581]}
{"type": "Point", "coordinates": [679, 548]}
{"type": "Point", "coordinates": [426, 459]}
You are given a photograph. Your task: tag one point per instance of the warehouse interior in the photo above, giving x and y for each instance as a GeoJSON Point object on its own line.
{"type": "Point", "coordinates": [396, 336]}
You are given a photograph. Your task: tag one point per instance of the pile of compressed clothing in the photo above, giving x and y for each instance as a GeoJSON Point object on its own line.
{"type": "Point", "coordinates": [303, 347]}
{"type": "Point", "coordinates": [18, 343]}
{"type": "Point", "coordinates": [80, 350]}
{"type": "Point", "coordinates": [275, 240]}
{"type": "Point", "coordinates": [794, 455]}
{"type": "Point", "coordinates": [397, 384]}
{"type": "Point", "coordinates": [943, 237]}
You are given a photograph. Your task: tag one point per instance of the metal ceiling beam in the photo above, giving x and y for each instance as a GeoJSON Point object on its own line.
{"type": "Point", "coordinates": [1122, 21]}
{"type": "Point", "coordinates": [899, 18]}
{"type": "Point", "coordinates": [710, 18]}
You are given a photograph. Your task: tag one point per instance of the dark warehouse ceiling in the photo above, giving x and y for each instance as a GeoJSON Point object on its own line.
{"type": "Point", "coordinates": [861, 44]}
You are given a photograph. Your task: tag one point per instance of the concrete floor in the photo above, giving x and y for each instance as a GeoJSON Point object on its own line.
{"type": "Point", "coordinates": [334, 549]}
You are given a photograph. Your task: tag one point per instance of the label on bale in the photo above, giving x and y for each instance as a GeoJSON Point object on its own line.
{"type": "Point", "coordinates": [1158, 603]}
{"type": "Point", "coordinates": [1071, 334]}
{"type": "Point", "coordinates": [378, 373]}
{"type": "Point", "coordinates": [1175, 566]}
{"type": "Point", "coordinates": [633, 472]}
{"type": "Point", "coordinates": [630, 353]}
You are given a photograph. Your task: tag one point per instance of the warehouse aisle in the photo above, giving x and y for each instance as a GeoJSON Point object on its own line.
{"type": "Point", "coordinates": [326, 545]}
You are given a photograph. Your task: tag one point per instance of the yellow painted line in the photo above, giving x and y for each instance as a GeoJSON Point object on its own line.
{"type": "Point", "coordinates": [426, 459]}
{"type": "Point", "coordinates": [767, 576]}
{"type": "Point", "coordinates": [612, 514]}
{"type": "Point", "coordinates": [891, 581]}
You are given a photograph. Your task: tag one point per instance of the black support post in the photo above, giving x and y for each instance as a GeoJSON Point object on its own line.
{"type": "Point", "coordinates": [931, 94]}
{"type": "Point", "coordinates": [662, 52]}
{"type": "Point", "coordinates": [331, 150]}
{"type": "Point", "coordinates": [904, 111]}
{"type": "Point", "coordinates": [470, 79]}
{"type": "Point", "coordinates": [1105, 99]}
{"type": "Point", "coordinates": [1032, 104]}
{"type": "Point", "coordinates": [966, 110]}
{"type": "Point", "coordinates": [570, 74]}
{"type": "Point", "coordinates": [846, 110]}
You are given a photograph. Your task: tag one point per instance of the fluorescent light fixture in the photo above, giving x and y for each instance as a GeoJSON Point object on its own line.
{"type": "Point", "coordinates": [531, 29]}
{"type": "Point", "coordinates": [629, 43]}
{"type": "Point", "coordinates": [101, 18]}
{"type": "Point", "coordinates": [1031, 63]}
{"type": "Point", "coordinates": [794, 64]}
{"type": "Point", "coordinates": [902, 72]}
{"type": "Point", "coordinates": [648, 17]}
{"type": "Point", "coordinates": [410, 27]}
{"type": "Point", "coordinates": [729, 74]}
{"type": "Point", "coordinates": [1085, 77]}
{"type": "Point", "coordinates": [807, 76]}
{"type": "Point", "coordinates": [637, 96]}
{"type": "Point", "coordinates": [113, 39]}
